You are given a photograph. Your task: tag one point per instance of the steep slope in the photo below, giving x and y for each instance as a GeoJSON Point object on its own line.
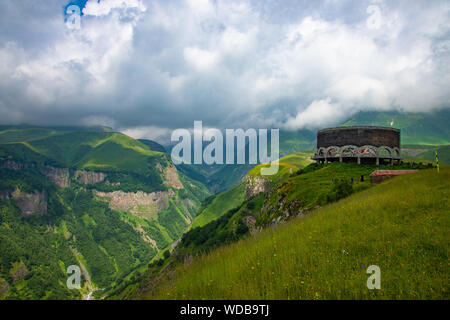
{"type": "Point", "coordinates": [215, 206]}
{"type": "Point", "coordinates": [400, 225]}
{"type": "Point", "coordinates": [108, 199]}
{"type": "Point", "coordinates": [154, 146]}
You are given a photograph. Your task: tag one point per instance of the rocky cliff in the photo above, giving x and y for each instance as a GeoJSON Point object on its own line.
{"type": "Point", "coordinates": [30, 204]}
{"type": "Point", "coordinates": [172, 178]}
{"type": "Point", "coordinates": [254, 185]}
{"type": "Point", "coordinates": [89, 177]}
{"type": "Point", "coordinates": [141, 204]}
{"type": "Point", "coordinates": [59, 176]}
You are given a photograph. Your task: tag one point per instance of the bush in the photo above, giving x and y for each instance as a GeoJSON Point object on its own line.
{"type": "Point", "coordinates": [166, 254]}
{"type": "Point", "coordinates": [342, 189]}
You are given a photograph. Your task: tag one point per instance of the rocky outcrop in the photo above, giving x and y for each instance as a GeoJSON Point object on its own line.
{"type": "Point", "coordinates": [59, 176]}
{"type": "Point", "coordinates": [13, 165]}
{"type": "Point", "coordinates": [89, 177]}
{"type": "Point", "coordinates": [171, 177]}
{"type": "Point", "coordinates": [140, 204]}
{"type": "Point", "coordinates": [254, 185]}
{"type": "Point", "coordinates": [31, 204]}
{"type": "Point", "coordinates": [250, 221]}
{"type": "Point", "coordinates": [18, 271]}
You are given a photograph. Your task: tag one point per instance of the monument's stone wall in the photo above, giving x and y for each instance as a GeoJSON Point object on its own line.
{"type": "Point", "coordinates": [359, 136]}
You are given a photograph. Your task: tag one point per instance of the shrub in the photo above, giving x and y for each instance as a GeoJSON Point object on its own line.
{"type": "Point", "coordinates": [342, 189]}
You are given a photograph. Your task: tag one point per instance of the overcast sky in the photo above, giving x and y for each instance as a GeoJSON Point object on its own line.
{"type": "Point", "coordinates": [146, 67]}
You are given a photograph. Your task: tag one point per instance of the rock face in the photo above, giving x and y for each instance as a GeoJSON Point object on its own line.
{"type": "Point", "coordinates": [140, 204]}
{"type": "Point", "coordinates": [171, 177]}
{"type": "Point", "coordinates": [16, 166]}
{"type": "Point", "coordinates": [18, 271]}
{"type": "Point", "coordinates": [31, 204]}
{"type": "Point", "coordinates": [59, 176]}
{"type": "Point", "coordinates": [254, 185]}
{"type": "Point", "coordinates": [89, 177]}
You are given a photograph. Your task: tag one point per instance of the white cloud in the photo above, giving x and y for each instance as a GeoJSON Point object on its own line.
{"type": "Point", "coordinates": [141, 63]}
{"type": "Point", "coordinates": [201, 60]}
{"type": "Point", "coordinates": [150, 133]}
{"type": "Point", "coordinates": [104, 7]}
{"type": "Point", "coordinates": [319, 113]}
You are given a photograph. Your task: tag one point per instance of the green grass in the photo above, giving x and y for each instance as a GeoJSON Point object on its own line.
{"type": "Point", "coordinates": [400, 225]}
{"type": "Point", "coordinates": [311, 187]}
{"type": "Point", "coordinates": [83, 150]}
{"type": "Point", "coordinates": [287, 165]}
{"type": "Point", "coordinates": [221, 203]}
{"type": "Point", "coordinates": [26, 134]}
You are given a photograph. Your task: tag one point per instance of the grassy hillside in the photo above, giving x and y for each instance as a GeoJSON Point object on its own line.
{"type": "Point", "coordinates": [217, 205]}
{"type": "Point", "coordinates": [23, 133]}
{"type": "Point", "coordinates": [400, 225]}
{"type": "Point", "coordinates": [84, 150]}
{"type": "Point", "coordinates": [287, 165]}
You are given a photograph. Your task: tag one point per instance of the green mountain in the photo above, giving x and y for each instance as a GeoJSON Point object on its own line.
{"type": "Point", "coordinates": [324, 254]}
{"type": "Point", "coordinates": [99, 200]}
{"type": "Point", "coordinates": [294, 141]}
{"type": "Point", "coordinates": [416, 128]}
{"type": "Point", "coordinates": [153, 145]}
